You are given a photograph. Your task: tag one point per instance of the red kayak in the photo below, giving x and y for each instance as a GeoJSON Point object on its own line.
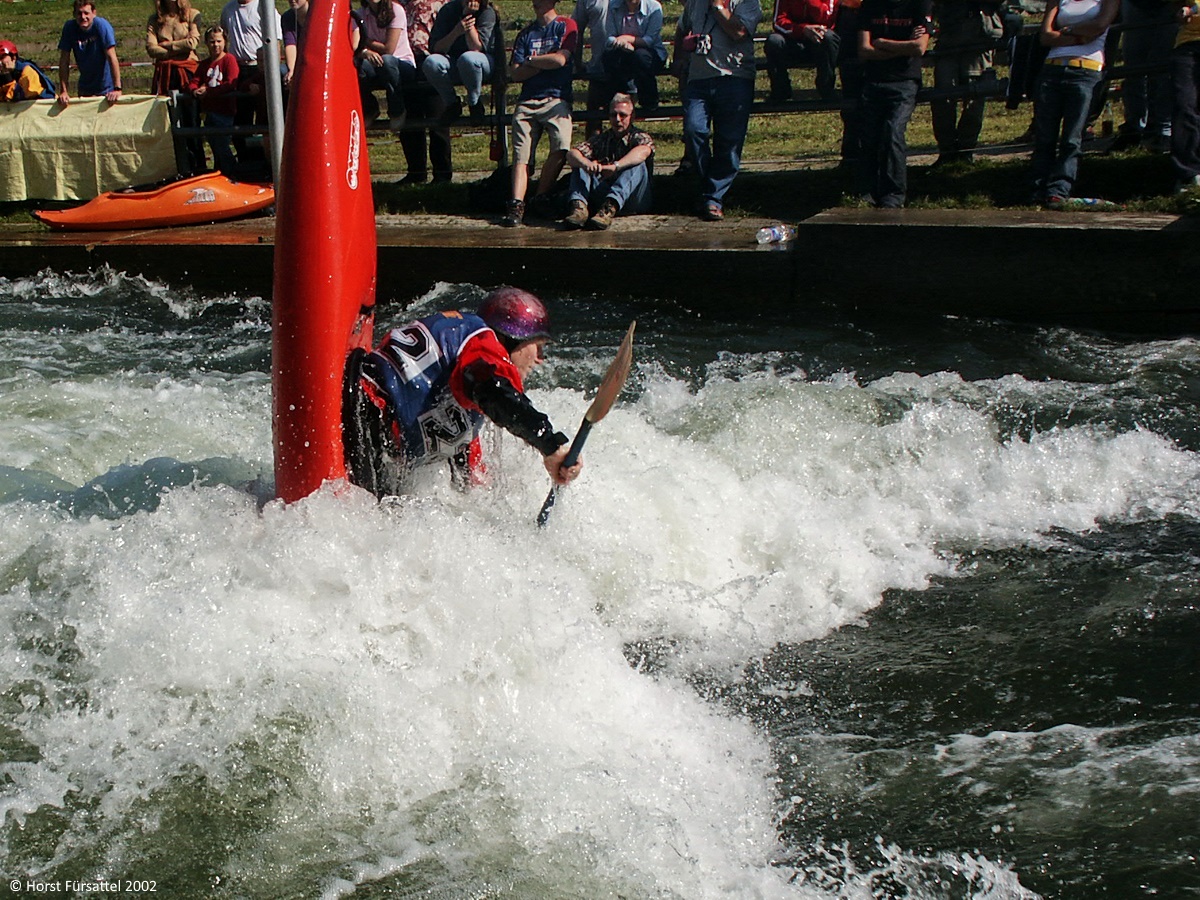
{"type": "Point", "coordinates": [189, 201]}
{"type": "Point", "coordinates": [325, 255]}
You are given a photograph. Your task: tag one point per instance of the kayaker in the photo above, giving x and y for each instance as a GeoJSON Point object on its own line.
{"type": "Point", "coordinates": [91, 40]}
{"type": "Point", "coordinates": [21, 79]}
{"type": "Point", "coordinates": [421, 396]}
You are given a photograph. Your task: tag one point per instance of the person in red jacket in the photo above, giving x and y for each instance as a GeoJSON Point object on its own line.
{"type": "Point", "coordinates": [423, 394]}
{"type": "Point", "coordinates": [213, 85]}
{"type": "Point", "coordinates": [803, 35]}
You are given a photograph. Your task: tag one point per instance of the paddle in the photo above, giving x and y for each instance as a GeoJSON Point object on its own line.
{"type": "Point", "coordinates": [614, 379]}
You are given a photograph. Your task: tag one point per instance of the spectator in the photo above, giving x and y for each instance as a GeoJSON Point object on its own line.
{"type": "Point", "coordinates": [435, 141]}
{"type": "Point", "coordinates": [384, 58]}
{"type": "Point", "coordinates": [591, 17]}
{"type": "Point", "coordinates": [719, 35]}
{"type": "Point", "coordinates": [213, 85]}
{"type": "Point", "coordinates": [463, 41]}
{"type": "Point", "coordinates": [967, 33]}
{"type": "Point", "coordinates": [610, 171]}
{"type": "Point", "coordinates": [850, 70]}
{"type": "Point", "coordinates": [172, 36]}
{"type": "Point", "coordinates": [242, 22]}
{"type": "Point", "coordinates": [541, 61]}
{"type": "Point", "coordinates": [1074, 30]}
{"type": "Point", "coordinates": [634, 52]}
{"type": "Point", "coordinates": [1147, 37]}
{"type": "Point", "coordinates": [893, 35]}
{"type": "Point", "coordinates": [21, 79]}
{"type": "Point", "coordinates": [1185, 76]}
{"type": "Point", "coordinates": [291, 25]}
{"type": "Point", "coordinates": [90, 39]}
{"type": "Point", "coordinates": [803, 35]}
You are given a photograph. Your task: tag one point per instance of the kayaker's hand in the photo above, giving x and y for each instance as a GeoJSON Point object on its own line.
{"type": "Point", "coordinates": [560, 474]}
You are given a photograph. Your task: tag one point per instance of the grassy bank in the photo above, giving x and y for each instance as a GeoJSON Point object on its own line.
{"type": "Point", "coordinates": [789, 160]}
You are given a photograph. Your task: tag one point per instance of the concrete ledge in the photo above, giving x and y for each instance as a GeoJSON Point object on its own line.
{"type": "Point", "coordinates": [1111, 270]}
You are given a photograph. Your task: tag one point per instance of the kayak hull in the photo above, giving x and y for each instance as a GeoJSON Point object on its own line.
{"type": "Point", "coordinates": [325, 256]}
{"type": "Point", "coordinates": [190, 201]}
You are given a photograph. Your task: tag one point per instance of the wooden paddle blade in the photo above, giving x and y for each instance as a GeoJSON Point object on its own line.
{"type": "Point", "coordinates": [614, 379]}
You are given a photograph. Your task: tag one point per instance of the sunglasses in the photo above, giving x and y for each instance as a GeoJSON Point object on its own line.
{"type": "Point", "coordinates": [4, 54]}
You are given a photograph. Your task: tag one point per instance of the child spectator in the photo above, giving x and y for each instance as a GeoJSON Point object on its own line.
{"type": "Point", "coordinates": [893, 35]}
{"type": "Point", "coordinates": [21, 79]}
{"type": "Point", "coordinates": [213, 85]}
{"type": "Point", "coordinates": [90, 39]}
{"type": "Point", "coordinates": [541, 61]}
{"type": "Point", "coordinates": [172, 36]}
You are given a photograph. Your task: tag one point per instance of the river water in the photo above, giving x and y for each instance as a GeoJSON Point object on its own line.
{"type": "Point", "coordinates": [834, 611]}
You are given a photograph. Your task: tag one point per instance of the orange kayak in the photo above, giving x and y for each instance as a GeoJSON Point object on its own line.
{"type": "Point", "coordinates": [189, 201]}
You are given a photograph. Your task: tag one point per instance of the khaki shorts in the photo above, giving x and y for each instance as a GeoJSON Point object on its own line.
{"type": "Point", "coordinates": [532, 117]}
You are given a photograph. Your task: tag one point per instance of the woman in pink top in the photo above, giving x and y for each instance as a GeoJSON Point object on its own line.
{"type": "Point", "coordinates": [384, 58]}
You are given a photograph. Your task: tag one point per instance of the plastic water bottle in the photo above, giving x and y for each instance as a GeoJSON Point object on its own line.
{"type": "Point", "coordinates": [776, 234]}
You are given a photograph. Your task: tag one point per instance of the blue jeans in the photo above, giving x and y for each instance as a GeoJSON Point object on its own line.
{"type": "Point", "coordinates": [389, 76]}
{"type": "Point", "coordinates": [471, 69]}
{"type": "Point", "coordinates": [222, 144]}
{"type": "Point", "coordinates": [1185, 130]}
{"type": "Point", "coordinates": [630, 189]}
{"type": "Point", "coordinates": [725, 100]}
{"type": "Point", "coordinates": [887, 107]}
{"type": "Point", "coordinates": [1061, 100]}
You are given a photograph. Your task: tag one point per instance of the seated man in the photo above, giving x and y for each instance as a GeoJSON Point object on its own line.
{"type": "Point", "coordinates": [90, 39]}
{"type": "Point", "coordinates": [611, 171]}
{"type": "Point", "coordinates": [422, 395]}
{"type": "Point", "coordinates": [21, 79]}
{"type": "Point", "coordinates": [803, 35]}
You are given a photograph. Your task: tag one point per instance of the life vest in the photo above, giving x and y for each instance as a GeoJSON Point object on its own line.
{"type": "Point", "coordinates": [18, 93]}
{"type": "Point", "coordinates": [409, 373]}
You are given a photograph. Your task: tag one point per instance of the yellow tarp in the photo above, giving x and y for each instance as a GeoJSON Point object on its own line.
{"type": "Point", "coordinates": [92, 146]}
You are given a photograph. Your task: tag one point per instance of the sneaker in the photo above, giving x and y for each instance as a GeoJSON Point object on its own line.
{"type": "Point", "coordinates": [413, 178]}
{"type": "Point", "coordinates": [710, 211]}
{"type": "Point", "coordinates": [478, 112]}
{"type": "Point", "coordinates": [514, 214]}
{"type": "Point", "coordinates": [578, 215]}
{"type": "Point", "coordinates": [604, 218]}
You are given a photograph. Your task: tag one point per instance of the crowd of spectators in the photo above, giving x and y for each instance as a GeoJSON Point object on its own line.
{"type": "Point", "coordinates": [417, 52]}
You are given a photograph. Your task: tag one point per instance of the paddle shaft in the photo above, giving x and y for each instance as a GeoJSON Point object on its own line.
{"type": "Point", "coordinates": [569, 460]}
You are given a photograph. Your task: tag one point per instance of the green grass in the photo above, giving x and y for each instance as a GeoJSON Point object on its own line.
{"type": "Point", "coordinates": [788, 159]}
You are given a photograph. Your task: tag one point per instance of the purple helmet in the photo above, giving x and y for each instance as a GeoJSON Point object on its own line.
{"type": "Point", "coordinates": [516, 315]}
